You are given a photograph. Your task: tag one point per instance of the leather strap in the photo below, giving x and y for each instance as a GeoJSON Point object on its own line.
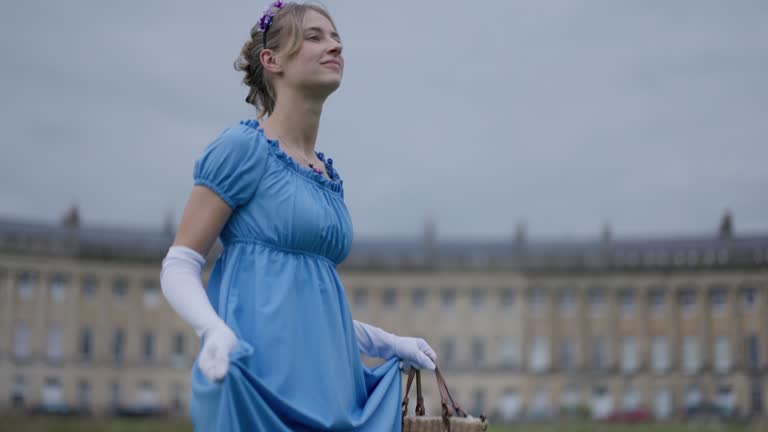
{"type": "Point", "coordinates": [441, 384]}
{"type": "Point", "coordinates": [445, 397]}
{"type": "Point", "coordinates": [420, 411]}
{"type": "Point", "coordinates": [411, 374]}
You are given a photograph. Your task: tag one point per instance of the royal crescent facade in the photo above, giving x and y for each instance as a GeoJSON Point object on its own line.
{"type": "Point", "coordinates": [523, 329]}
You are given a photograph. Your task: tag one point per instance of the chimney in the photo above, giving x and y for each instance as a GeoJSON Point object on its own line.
{"type": "Point", "coordinates": [169, 225]}
{"type": "Point", "coordinates": [429, 240]}
{"type": "Point", "coordinates": [521, 237]}
{"type": "Point", "coordinates": [71, 218]}
{"type": "Point", "coordinates": [726, 225]}
{"type": "Point", "coordinates": [607, 235]}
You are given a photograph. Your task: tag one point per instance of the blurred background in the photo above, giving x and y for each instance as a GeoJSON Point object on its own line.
{"type": "Point", "coordinates": [567, 200]}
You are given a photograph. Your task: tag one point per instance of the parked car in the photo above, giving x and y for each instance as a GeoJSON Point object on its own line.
{"type": "Point", "coordinates": [55, 409]}
{"type": "Point", "coordinates": [709, 410]}
{"type": "Point", "coordinates": [129, 411]}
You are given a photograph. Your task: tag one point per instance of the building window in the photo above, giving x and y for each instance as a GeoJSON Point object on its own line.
{"type": "Point", "coordinates": [149, 342]}
{"type": "Point", "coordinates": [662, 404]}
{"type": "Point", "coordinates": [88, 288]}
{"type": "Point", "coordinates": [25, 287]}
{"type": "Point", "coordinates": [510, 352]}
{"type": "Point", "coordinates": [21, 337]}
{"type": "Point", "coordinates": [419, 298]}
{"type": "Point", "coordinates": [177, 358]}
{"type": "Point", "coordinates": [178, 343]}
{"type": "Point", "coordinates": [448, 298]}
{"type": "Point", "coordinates": [389, 298]}
{"type": "Point", "coordinates": [118, 345]}
{"type": "Point", "coordinates": [749, 296]}
{"type": "Point", "coordinates": [656, 301]}
{"type": "Point", "coordinates": [601, 404]}
{"type": "Point", "coordinates": [86, 343]}
{"type": "Point", "coordinates": [600, 353]}
{"type": "Point", "coordinates": [717, 300]}
{"type": "Point", "coordinates": [84, 394]}
{"type": "Point", "coordinates": [177, 403]}
{"type": "Point", "coordinates": [687, 301]}
{"type": "Point", "coordinates": [120, 289]}
{"type": "Point", "coordinates": [630, 358]}
{"type": "Point", "coordinates": [114, 393]}
{"type": "Point", "coordinates": [52, 396]}
{"type": "Point", "coordinates": [541, 405]}
{"type": "Point", "coordinates": [19, 391]}
{"type": "Point", "coordinates": [597, 302]}
{"type": "Point", "coordinates": [538, 357]}
{"type": "Point", "coordinates": [58, 289]}
{"type": "Point", "coordinates": [55, 345]}
{"type": "Point", "coordinates": [478, 352]}
{"type": "Point", "coordinates": [632, 399]}
{"type": "Point", "coordinates": [627, 299]}
{"type": "Point", "coordinates": [570, 398]}
{"type": "Point", "coordinates": [567, 302]}
{"type": "Point", "coordinates": [756, 396]}
{"type": "Point", "coordinates": [693, 397]}
{"type": "Point", "coordinates": [151, 294]}
{"type": "Point", "coordinates": [691, 358]}
{"type": "Point", "coordinates": [361, 298]}
{"type": "Point", "coordinates": [722, 354]}
{"type": "Point", "coordinates": [567, 354]}
{"type": "Point", "coordinates": [753, 351]}
{"type": "Point", "coordinates": [537, 300]}
{"type": "Point", "coordinates": [478, 401]}
{"type": "Point", "coordinates": [146, 398]}
{"type": "Point", "coordinates": [478, 298]}
{"type": "Point", "coordinates": [507, 299]}
{"type": "Point", "coordinates": [510, 404]}
{"type": "Point", "coordinates": [726, 398]}
{"type": "Point", "coordinates": [660, 354]}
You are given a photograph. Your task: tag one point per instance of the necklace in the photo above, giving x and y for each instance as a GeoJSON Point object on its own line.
{"type": "Point", "coordinates": [312, 165]}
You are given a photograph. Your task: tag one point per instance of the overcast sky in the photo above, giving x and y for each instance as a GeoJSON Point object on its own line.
{"type": "Point", "coordinates": [650, 115]}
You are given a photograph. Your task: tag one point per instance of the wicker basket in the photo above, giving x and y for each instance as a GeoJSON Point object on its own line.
{"type": "Point", "coordinates": [458, 421]}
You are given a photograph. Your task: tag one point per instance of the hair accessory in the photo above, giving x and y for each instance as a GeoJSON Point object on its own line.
{"type": "Point", "coordinates": [266, 18]}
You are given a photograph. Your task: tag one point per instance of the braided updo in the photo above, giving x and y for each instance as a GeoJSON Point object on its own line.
{"type": "Point", "coordinates": [284, 36]}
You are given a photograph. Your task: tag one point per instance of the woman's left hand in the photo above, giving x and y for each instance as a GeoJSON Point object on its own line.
{"type": "Point", "coordinates": [415, 352]}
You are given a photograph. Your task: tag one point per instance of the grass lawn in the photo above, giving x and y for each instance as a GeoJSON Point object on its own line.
{"type": "Point", "coordinates": [62, 424]}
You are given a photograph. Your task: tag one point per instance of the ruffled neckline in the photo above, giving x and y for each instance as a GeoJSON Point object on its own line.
{"type": "Point", "coordinates": [334, 184]}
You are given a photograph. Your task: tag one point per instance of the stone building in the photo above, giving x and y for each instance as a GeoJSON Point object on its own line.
{"type": "Point", "coordinates": [523, 329]}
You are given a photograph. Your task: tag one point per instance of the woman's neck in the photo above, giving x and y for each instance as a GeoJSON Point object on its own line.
{"type": "Point", "coordinates": [295, 121]}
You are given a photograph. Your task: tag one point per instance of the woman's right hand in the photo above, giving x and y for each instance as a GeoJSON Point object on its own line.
{"type": "Point", "coordinates": [218, 342]}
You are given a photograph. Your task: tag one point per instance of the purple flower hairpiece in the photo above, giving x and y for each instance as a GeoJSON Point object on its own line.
{"type": "Point", "coordinates": [266, 17]}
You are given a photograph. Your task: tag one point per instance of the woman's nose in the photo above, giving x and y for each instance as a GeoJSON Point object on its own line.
{"type": "Point", "coordinates": [336, 47]}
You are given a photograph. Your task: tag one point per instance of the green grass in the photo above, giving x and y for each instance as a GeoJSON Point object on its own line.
{"type": "Point", "coordinates": [649, 427]}
{"type": "Point", "coordinates": [64, 424]}
{"type": "Point", "coordinates": [18, 423]}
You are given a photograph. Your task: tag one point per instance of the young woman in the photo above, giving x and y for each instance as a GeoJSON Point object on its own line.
{"type": "Point", "coordinates": [280, 350]}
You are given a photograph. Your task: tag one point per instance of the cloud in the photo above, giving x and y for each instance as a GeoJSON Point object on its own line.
{"type": "Point", "coordinates": [560, 115]}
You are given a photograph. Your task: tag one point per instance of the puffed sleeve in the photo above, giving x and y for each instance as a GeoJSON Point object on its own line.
{"type": "Point", "coordinates": [232, 165]}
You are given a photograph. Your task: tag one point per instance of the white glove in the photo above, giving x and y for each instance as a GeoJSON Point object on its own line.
{"type": "Point", "coordinates": [376, 342]}
{"type": "Point", "coordinates": [182, 287]}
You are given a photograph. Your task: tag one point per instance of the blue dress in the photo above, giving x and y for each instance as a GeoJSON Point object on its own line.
{"type": "Point", "coordinates": [297, 365]}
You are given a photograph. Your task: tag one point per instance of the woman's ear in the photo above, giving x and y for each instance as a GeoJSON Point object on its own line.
{"type": "Point", "coordinates": [269, 61]}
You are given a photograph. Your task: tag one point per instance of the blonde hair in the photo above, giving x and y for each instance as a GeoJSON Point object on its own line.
{"type": "Point", "coordinates": [285, 36]}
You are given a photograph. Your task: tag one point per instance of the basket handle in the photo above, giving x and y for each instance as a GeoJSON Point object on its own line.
{"type": "Point", "coordinates": [443, 388]}
{"type": "Point", "coordinates": [445, 397]}
{"type": "Point", "coordinates": [419, 398]}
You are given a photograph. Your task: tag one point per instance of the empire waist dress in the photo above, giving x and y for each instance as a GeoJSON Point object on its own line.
{"type": "Point", "coordinates": [296, 365]}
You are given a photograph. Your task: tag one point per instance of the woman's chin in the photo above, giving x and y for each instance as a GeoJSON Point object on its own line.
{"type": "Point", "coordinates": [327, 85]}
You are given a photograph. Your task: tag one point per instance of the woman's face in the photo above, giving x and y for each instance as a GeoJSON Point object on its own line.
{"type": "Point", "coordinates": [318, 65]}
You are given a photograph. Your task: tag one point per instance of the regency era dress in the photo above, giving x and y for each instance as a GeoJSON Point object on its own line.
{"type": "Point", "coordinates": [297, 365]}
